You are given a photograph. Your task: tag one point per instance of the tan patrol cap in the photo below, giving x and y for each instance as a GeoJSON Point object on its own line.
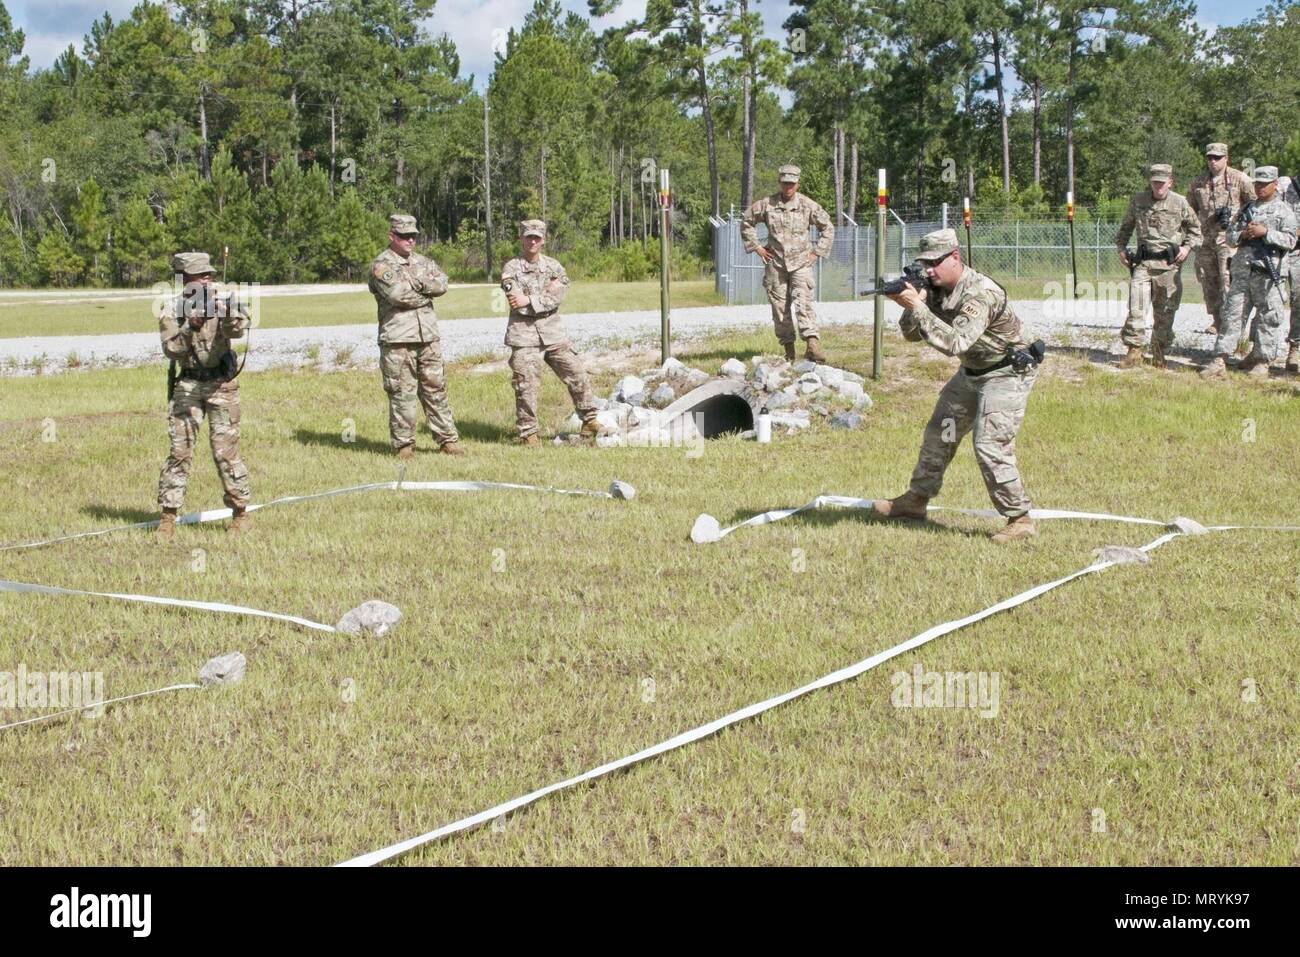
{"type": "Point", "coordinates": [789, 174]}
{"type": "Point", "coordinates": [1265, 174]}
{"type": "Point", "coordinates": [193, 264]}
{"type": "Point", "coordinates": [937, 244]}
{"type": "Point", "coordinates": [1161, 173]}
{"type": "Point", "coordinates": [1217, 149]}
{"type": "Point", "coordinates": [402, 225]}
{"type": "Point", "coordinates": [532, 227]}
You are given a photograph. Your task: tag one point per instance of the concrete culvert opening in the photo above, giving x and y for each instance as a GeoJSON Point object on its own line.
{"type": "Point", "coordinates": [718, 408]}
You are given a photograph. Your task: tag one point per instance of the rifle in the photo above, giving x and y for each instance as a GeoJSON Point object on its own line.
{"type": "Point", "coordinates": [913, 275]}
{"type": "Point", "coordinates": [1261, 254]}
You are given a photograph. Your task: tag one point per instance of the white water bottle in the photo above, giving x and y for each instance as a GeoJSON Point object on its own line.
{"type": "Point", "coordinates": [763, 427]}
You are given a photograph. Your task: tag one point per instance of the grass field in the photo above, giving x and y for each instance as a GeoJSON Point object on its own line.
{"type": "Point", "coordinates": [1163, 698]}
{"type": "Point", "coordinates": [21, 317]}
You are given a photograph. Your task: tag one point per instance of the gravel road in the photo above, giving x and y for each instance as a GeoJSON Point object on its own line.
{"type": "Point", "coordinates": [1086, 323]}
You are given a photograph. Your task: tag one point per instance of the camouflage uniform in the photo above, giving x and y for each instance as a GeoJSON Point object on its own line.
{"type": "Point", "coordinates": [410, 352]}
{"type": "Point", "coordinates": [535, 335]}
{"type": "Point", "coordinates": [1253, 286]}
{"type": "Point", "coordinates": [788, 276]}
{"type": "Point", "coordinates": [1292, 197]}
{"type": "Point", "coordinates": [974, 322]}
{"type": "Point", "coordinates": [1161, 225]}
{"type": "Point", "coordinates": [206, 386]}
{"type": "Point", "coordinates": [1231, 188]}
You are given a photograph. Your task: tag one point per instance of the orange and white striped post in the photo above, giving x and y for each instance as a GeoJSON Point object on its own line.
{"type": "Point", "coordinates": [877, 333]}
{"type": "Point", "coordinates": [965, 218]}
{"type": "Point", "coordinates": [1074, 269]}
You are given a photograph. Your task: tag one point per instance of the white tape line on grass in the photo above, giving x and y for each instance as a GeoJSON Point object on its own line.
{"type": "Point", "coordinates": [97, 704]}
{"type": "Point", "coordinates": [617, 490]}
{"type": "Point", "coordinates": [159, 600]}
{"type": "Point", "coordinates": [713, 727]}
{"type": "Point", "coordinates": [709, 529]}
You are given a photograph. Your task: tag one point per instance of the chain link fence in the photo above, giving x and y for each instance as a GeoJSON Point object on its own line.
{"type": "Point", "coordinates": [1009, 251]}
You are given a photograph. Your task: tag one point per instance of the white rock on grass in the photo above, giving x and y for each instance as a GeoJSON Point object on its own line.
{"type": "Point", "coordinates": [830, 375]}
{"type": "Point", "coordinates": [673, 367]}
{"type": "Point", "coordinates": [848, 390]}
{"type": "Point", "coordinates": [227, 669]}
{"type": "Point", "coordinates": [663, 395]}
{"type": "Point", "coordinates": [796, 419]}
{"type": "Point", "coordinates": [852, 377]}
{"type": "Point", "coordinates": [732, 368]}
{"type": "Point", "coordinates": [808, 388]}
{"type": "Point", "coordinates": [627, 386]}
{"type": "Point", "coordinates": [805, 365]}
{"type": "Point", "coordinates": [846, 420]}
{"type": "Point", "coordinates": [862, 402]}
{"type": "Point", "coordinates": [778, 400]}
{"type": "Point", "coordinates": [1122, 555]}
{"type": "Point", "coordinates": [373, 618]}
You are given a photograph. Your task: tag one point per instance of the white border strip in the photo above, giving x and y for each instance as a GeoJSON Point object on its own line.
{"type": "Point", "coordinates": [96, 704]}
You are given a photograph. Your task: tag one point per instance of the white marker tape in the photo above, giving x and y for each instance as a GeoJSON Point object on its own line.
{"type": "Point", "coordinates": [96, 704]}
{"type": "Point", "coordinates": [617, 490]}
{"type": "Point", "coordinates": [835, 677]}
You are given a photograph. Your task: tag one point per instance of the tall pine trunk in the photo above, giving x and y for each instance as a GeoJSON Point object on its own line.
{"type": "Point", "coordinates": [853, 179]}
{"type": "Point", "coordinates": [1002, 113]}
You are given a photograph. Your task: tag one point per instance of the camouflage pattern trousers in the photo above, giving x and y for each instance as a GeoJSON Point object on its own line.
{"type": "Point", "coordinates": [526, 376]}
{"type": "Point", "coordinates": [1294, 335]}
{"type": "Point", "coordinates": [191, 401]}
{"type": "Point", "coordinates": [1213, 275]}
{"type": "Point", "coordinates": [1252, 288]}
{"type": "Point", "coordinates": [790, 291]}
{"type": "Point", "coordinates": [991, 407]}
{"type": "Point", "coordinates": [414, 370]}
{"type": "Point", "coordinates": [1152, 292]}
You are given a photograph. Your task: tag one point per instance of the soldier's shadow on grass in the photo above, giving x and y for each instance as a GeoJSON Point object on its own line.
{"type": "Point", "coordinates": [833, 515]}
{"type": "Point", "coordinates": [335, 441]}
{"type": "Point", "coordinates": [128, 516]}
{"type": "Point", "coordinates": [483, 431]}
{"type": "Point", "coordinates": [722, 355]}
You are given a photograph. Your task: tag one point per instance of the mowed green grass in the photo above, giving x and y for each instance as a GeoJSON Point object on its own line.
{"type": "Point", "coordinates": [23, 317]}
{"type": "Point", "coordinates": [1120, 693]}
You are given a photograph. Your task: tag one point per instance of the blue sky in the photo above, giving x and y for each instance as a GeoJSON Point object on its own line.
{"type": "Point", "coordinates": [50, 25]}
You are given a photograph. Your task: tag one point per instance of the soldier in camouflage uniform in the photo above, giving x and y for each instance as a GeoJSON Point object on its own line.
{"type": "Point", "coordinates": [1292, 198]}
{"type": "Point", "coordinates": [535, 285]}
{"type": "Point", "coordinates": [404, 284]}
{"type": "Point", "coordinates": [1264, 229]}
{"type": "Point", "coordinates": [1167, 232]}
{"type": "Point", "coordinates": [1219, 187]}
{"type": "Point", "coordinates": [788, 257]}
{"type": "Point", "coordinates": [967, 315]}
{"type": "Point", "coordinates": [197, 331]}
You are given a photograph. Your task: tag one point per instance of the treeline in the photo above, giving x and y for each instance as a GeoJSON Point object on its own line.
{"type": "Point", "coordinates": [287, 129]}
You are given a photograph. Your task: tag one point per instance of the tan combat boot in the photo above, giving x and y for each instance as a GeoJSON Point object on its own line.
{"type": "Point", "coordinates": [167, 526]}
{"type": "Point", "coordinates": [590, 429]}
{"type": "Point", "coordinates": [528, 441]}
{"type": "Point", "coordinates": [239, 522]}
{"type": "Point", "coordinates": [812, 350]}
{"type": "Point", "coordinates": [406, 452]}
{"type": "Point", "coordinates": [1158, 356]}
{"type": "Point", "coordinates": [1293, 358]}
{"type": "Point", "coordinates": [451, 448]}
{"type": "Point", "coordinates": [1132, 359]}
{"type": "Point", "coordinates": [1217, 369]}
{"type": "Point", "coordinates": [789, 352]}
{"type": "Point", "coordinates": [1022, 526]}
{"type": "Point", "coordinates": [907, 505]}
{"type": "Point", "coordinates": [1258, 370]}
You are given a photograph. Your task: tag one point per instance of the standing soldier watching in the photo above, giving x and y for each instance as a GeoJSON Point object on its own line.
{"type": "Point", "coordinates": [965, 314]}
{"type": "Point", "coordinates": [1265, 234]}
{"type": "Point", "coordinates": [788, 260]}
{"type": "Point", "coordinates": [535, 285]}
{"type": "Point", "coordinates": [1216, 196]}
{"type": "Point", "coordinates": [404, 285]}
{"type": "Point", "coordinates": [1167, 232]}
{"type": "Point", "coordinates": [197, 330]}
{"type": "Point", "coordinates": [1292, 198]}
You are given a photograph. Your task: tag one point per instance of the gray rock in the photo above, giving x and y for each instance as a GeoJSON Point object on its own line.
{"type": "Point", "coordinates": [372, 618]}
{"type": "Point", "coordinates": [663, 395]}
{"type": "Point", "coordinates": [805, 365]}
{"type": "Point", "coordinates": [852, 377]}
{"type": "Point", "coordinates": [673, 368]}
{"type": "Point", "coordinates": [622, 490]}
{"type": "Point", "coordinates": [821, 410]}
{"type": "Point", "coordinates": [808, 388]}
{"type": "Point", "coordinates": [733, 368]}
{"type": "Point", "coordinates": [779, 400]}
{"type": "Point", "coordinates": [847, 389]}
{"type": "Point", "coordinates": [1189, 527]}
{"type": "Point", "coordinates": [573, 423]}
{"type": "Point", "coordinates": [795, 419]}
{"type": "Point", "coordinates": [627, 386]}
{"type": "Point", "coordinates": [635, 399]}
{"type": "Point", "coordinates": [792, 389]}
{"type": "Point", "coordinates": [227, 669]}
{"type": "Point", "coordinates": [845, 420]}
{"type": "Point", "coordinates": [695, 378]}
{"type": "Point", "coordinates": [1122, 555]}
{"type": "Point", "coordinates": [863, 402]}
{"type": "Point", "coordinates": [830, 375]}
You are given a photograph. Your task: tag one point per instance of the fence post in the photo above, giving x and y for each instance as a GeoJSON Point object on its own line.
{"type": "Point", "coordinates": [1017, 249]}
{"type": "Point", "coordinates": [1097, 244]}
{"type": "Point", "coordinates": [853, 275]}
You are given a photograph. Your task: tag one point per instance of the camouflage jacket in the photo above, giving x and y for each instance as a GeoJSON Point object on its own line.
{"type": "Point", "coordinates": [1291, 196]}
{"type": "Point", "coordinates": [404, 290]}
{"type": "Point", "coordinates": [1161, 224]}
{"type": "Point", "coordinates": [206, 346]}
{"type": "Point", "coordinates": [974, 321]}
{"type": "Point", "coordinates": [787, 229]}
{"type": "Point", "coordinates": [1232, 189]}
{"type": "Point", "coordinates": [1277, 215]}
{"type": "Point", "coordinates": [544, 283]}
